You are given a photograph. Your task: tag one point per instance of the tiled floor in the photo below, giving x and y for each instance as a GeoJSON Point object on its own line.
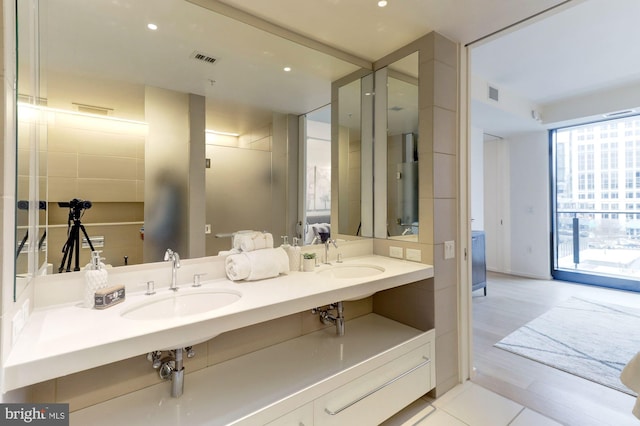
{"type": "Point", "coordinates": [469, 405]}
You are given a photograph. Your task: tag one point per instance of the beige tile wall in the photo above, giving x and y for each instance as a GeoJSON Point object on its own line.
{"type": "Point", "coordinates": [93, 386]}
{"type": "Point", "coordinates": [95, 159]}
{"type": "Point", "coordinates": [438, 192]}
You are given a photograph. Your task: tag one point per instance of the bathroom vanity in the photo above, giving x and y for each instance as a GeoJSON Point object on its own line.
{"type": "Point", "coordinates": [317, 378]}
{"type": "Point", "coordinates": [373, 371]}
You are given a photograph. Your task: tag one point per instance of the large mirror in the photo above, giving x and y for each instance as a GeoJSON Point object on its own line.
{"type": "Point", "coordinates": [397, 121]}
{"type": "Point", "coordinates": [102, 62]}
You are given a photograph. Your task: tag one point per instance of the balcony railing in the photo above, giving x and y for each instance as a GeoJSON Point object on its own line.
{"type": "Point", "coordinates": [603, 242]}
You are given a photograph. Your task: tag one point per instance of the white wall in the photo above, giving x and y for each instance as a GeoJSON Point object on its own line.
{"type": "Point", "coordinates": [496, 205]}
{"type": "Point", "coordinates": [529, 195]}
{"type": "Point", "coordinates": [516, 205]}
{"type": "Point", "coordinates": [477, 179]}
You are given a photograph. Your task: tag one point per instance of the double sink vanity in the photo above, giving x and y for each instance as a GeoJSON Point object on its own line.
{"type": "Point", "coordinates": [376, 368]}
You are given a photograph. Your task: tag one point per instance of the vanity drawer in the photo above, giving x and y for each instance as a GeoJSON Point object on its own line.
{"type": "Point", "coordinates": [302, 416]}
{"type": "Point", "coordinates": [380, 393]}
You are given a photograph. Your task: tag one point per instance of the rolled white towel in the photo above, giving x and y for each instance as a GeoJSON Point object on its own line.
{"type": "Point", "coordinates": [253, 241]}
{"type": "Point", "coordinates": [239, 236]}
{"type": "Point", "coordinates": [257, 264]}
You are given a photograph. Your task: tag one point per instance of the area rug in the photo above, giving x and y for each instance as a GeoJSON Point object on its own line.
{"type": "Point", "coordinates": [587, 338]}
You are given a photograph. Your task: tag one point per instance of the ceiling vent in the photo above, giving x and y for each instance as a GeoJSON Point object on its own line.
{"type": "Point", "coordinates": [494, 94]}
{"type": "Point", "coordinates": [203, 57]}
{"type": "Point", "coordinates": [92, 109]}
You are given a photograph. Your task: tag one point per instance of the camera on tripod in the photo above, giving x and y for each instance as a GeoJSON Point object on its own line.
{"type": "Point", "coordinates": [76, 206]}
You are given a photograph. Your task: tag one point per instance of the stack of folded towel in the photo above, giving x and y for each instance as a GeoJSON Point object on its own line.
{"type": "Point", "coordinates": [250, 241]}
{"type": "Point", "coordinates": [254, 258]}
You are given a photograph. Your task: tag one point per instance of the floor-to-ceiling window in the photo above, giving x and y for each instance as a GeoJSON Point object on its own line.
{"type": "Point", "coordinates": [596, 203]}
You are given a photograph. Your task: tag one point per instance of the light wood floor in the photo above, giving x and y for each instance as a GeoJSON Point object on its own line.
{"type": "Point", "coordinates": [512, 302]}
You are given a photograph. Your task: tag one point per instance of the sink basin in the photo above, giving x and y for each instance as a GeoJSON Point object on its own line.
{"type": "Point", "coordinates": [352, 271]}
{"type": "Point", "coordinates": [180, 304]}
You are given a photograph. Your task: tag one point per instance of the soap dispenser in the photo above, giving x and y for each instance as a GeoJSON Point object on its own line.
{"type": "Point", "coordinates": [295, 254]}
{"type": "Point", "coordinates": [294, 262]}
{"type": "Point", "coordinates": [95, 278]}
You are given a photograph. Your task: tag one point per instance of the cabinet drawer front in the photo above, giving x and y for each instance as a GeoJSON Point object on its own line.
{"type": "Point", "coordinates": [377, 395]}
{"type": "Point", "coordinates": [302, 416]}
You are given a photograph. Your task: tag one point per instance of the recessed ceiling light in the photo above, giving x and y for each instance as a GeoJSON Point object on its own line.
{"type": "Point", "coordinates": [287, 69]}
{"type": "Point", "coordinates": [152, 27]}
{"type": "Point", "coordinates": [382, 3]}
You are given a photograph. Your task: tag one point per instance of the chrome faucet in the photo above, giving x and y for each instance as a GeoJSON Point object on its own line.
{"type": "Point", "coordinates": [173, 257]}
{"type": "Point", "coordinates": [326, 249]}
{"type": "Point", "coordinates": [329, 319]}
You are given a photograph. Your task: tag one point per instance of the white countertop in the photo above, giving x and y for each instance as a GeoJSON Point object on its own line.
{"type": "Point", "coordinates": [65, 339]}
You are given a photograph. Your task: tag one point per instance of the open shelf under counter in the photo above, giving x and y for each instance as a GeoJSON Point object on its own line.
{"type": "Point", "coordinates": [295, 375]}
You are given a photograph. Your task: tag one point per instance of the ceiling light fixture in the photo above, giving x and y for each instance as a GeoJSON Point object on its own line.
{"type": "Point", "coordinates": [152, 27]}
{"type": "Point", "coordinates": [382, 3]}
{"type": "Point", "coordinates": [216, 132]}
{"type": "Point", "coordinates": [287, 69]}
{"type": "Point", "coordinates": [77, 113]}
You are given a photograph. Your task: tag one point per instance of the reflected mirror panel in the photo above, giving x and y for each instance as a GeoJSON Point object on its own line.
{"type": "Point", "coordinates": [349, 148]}
{"type": "Point", "coordinates": [101, 59]}
{"type": "Point", "coordinates": [31, 146]}
{"type": "Point", "coordinates": [317, 176]}
{"type": "Point", "coordinates": [402, 149]}
{"type": "Point", "coordinates": [355, 154]}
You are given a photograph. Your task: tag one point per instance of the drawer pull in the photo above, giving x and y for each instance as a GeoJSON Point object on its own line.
{"type": "Point", "coordinates": [382, 386]}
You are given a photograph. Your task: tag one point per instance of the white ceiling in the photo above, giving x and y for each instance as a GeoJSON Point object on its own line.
{"type": "Point", "coordinates": [586, 48]}
{"type": "Point", "coordinates": [541, 62]}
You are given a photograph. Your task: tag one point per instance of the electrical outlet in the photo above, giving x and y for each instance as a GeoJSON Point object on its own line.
{"type": "Point", "coordinates": [207, 228]}
{"type": "Point", "coordinates": [396, 252]}
{"type": "Point", "coordinates": [414, 254]}
{"type": "Point", "coordinates": [449, 250]}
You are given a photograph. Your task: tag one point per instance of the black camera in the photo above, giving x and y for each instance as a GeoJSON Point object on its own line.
{"type": "Point", "coordinates": [76, 204]}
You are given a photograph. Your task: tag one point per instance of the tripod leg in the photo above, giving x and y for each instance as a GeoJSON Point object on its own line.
{"type": "Point", "coordinates": [73, 240]}
{"type": "Point", "coordinates": [22, 243]}
{"type": "Point", "coordinates": [84, 231]}
{"type": "Point", "coordinates": [77, 243]}
{"type": "Point", "coordinates": [67, 252]}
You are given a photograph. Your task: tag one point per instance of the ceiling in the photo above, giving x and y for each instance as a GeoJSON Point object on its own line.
{"type": "Point", "coordinates": [583, 49]}
{"type": "Point", "coordinates": [109, 39]}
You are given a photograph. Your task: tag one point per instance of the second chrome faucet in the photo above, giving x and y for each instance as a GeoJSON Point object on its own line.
{"type": "Point", "coordinates": [174, 258]}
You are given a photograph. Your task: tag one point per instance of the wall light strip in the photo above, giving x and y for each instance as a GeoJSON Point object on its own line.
{"type": "Point", "coordinates": [81, 114]}
{"type": "Point", "coordinates": [215, 132]}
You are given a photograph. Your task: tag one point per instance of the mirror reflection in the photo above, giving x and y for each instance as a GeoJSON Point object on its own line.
{"type": "Point", "coordinates": [354, 133]}
{"type": "Point", "coordinates": [30, 188]}
{"type": "Point", "coordinates": [101, 62]}
{"type": "Point", "coordinates": [316, 226]}
{"type": "Point", "coordinates": [402, 148]}
{"type": "Point", "coordinates": [349, 146]}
